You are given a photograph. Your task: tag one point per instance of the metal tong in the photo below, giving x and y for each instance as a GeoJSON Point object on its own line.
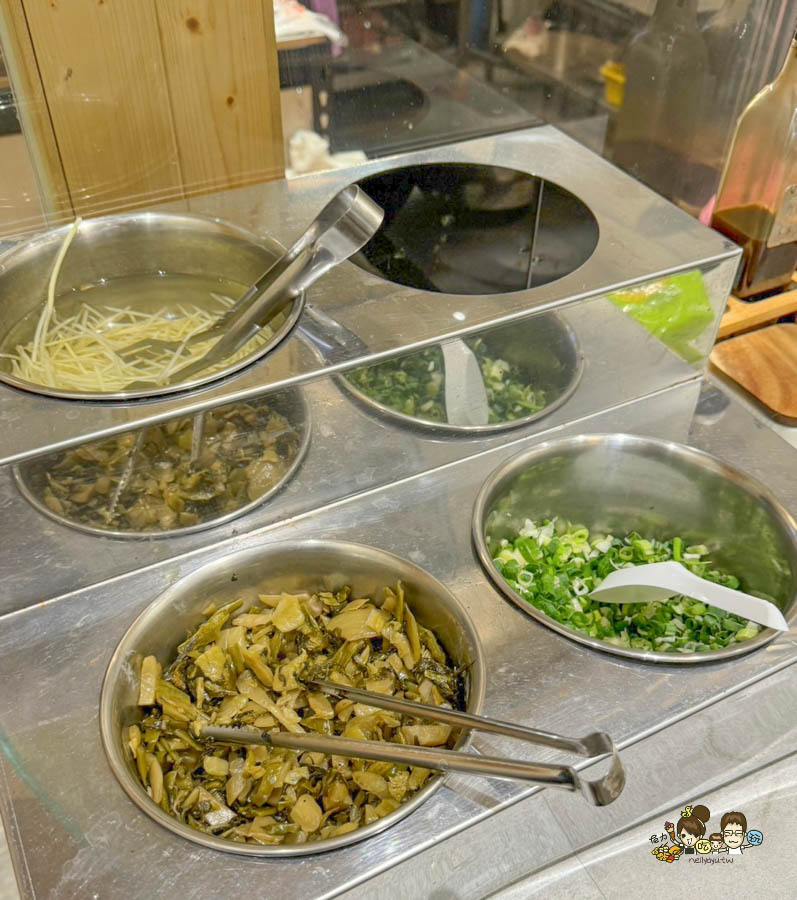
{"type": "Point", "coordinates": [600, 792]}
{"type": "Point", "coordinates": [342, 228]}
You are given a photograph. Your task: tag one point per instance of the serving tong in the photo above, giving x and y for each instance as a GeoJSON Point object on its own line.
{"type": "Point", "coordinates": [342, 228]}
{"type": "Point", "coordinates": [600, 792]}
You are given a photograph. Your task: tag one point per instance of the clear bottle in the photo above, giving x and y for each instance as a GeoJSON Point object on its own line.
{"type": "Point", "coordinates": [657, 135]}
{"type": "Point", "coordinates": [729, 34]}
{"type": "Point", "coordinates": [757, 200]}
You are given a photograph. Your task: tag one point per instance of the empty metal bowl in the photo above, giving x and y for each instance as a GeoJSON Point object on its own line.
{"type": "Point", "coordinates": [545, 348]}
{"type": "Point", "coordinates": [618, 483]}
{"type": "Point", "coordinates": [142, 257]}
{"type": "Point", "coordinates": [33, 478]}
{"type": "Point", "coordinates": [292, 567]}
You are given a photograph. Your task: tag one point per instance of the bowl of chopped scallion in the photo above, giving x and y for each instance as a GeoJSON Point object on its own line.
{"type": "Point", "coordinates": [551, 523]}
{"type": "Point", "coordinates": [529, 368]}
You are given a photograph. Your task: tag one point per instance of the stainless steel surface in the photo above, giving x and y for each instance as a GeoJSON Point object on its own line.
{"type": "Point", "coordinates": [619, 483]}
{"type": "Point", "coordinates": [660, 581]}
{"type": "Point", "coordinates": [728, 755]}
{"type": "Point", "coordinates": [296, 567]}
{"type": "Point", "coordinates": [640, 237]}
{"type": "Point", "coordinates": [347, 222]}
{"type": "Point", "coordinates": [545, 348]}
{"type": "Point", "coordinates": [31, 477]}
{"type": "Point", "coordinates": [131, 244]}
{"type": "Point", "coordinates": [465, 395]}
{"type": "Point", "coordinates": [73, 833]}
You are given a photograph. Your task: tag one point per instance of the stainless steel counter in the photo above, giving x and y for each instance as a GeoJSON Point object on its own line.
{"type": "Point", "coordinates": [640, 237]}
{"type": "Point", "coordinates": [73, 833]}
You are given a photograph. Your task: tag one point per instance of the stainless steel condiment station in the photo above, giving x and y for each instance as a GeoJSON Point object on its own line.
{"type": "Point", "coordinates": [69, 596]}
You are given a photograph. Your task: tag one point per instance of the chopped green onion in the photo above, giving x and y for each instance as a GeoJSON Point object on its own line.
{"type": "Point", "coordinates": [555, 565]}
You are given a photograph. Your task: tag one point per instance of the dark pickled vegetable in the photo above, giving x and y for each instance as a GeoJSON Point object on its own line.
{"type": "Point", "coordinates": [245, 450]}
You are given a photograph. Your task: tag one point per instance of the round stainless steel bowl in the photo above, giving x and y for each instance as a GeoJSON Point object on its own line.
{"type": "Point", "coordinates": [303, 566]}
{"type": "Point", "coordinates": [620, 483]}
{"type": "Point", "coordinates": [124, 246]}
{"type": "Point", "coordinates": [31, 476]}
{"type": "Point", "coordinates": [544, 347]}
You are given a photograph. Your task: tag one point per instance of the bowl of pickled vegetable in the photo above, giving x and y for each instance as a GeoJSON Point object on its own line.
{"type": "Point", "coordinates": [177, 477]}
{"type": "Point", "coordinates": [235, 643]}
{"type": "Point", "coordinates": [551, 523]}
{"type": "Point", "coordinates": [529, 369]}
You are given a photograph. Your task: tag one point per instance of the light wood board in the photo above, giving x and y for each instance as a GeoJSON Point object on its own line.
{"type": "Point", "coordinates": [102, 70]}
{"type": "Point", "coordinates": [743, 315]}
{"type": "Point", "coordinates": [764, 362]}
{"type": "Point", "coordinates": [221, 70]}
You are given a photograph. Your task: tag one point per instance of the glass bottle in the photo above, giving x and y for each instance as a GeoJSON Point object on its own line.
{"type": "Point", "coordinates": [757, 200]}
{"type": "Point", "coordinates": [656, 134]}
{"type": "Point", "coordinates": [729, 34]}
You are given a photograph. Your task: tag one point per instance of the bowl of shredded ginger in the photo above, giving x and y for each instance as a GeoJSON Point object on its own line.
{"type": "Point", "coordinates": [76, 297]}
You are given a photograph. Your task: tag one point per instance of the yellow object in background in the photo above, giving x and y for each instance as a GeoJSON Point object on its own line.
{"type": "Point", "coordinates": [614, 78]}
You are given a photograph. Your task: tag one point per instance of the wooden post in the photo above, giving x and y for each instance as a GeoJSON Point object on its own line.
{"type": "Point", "coordinates": [142, 101]}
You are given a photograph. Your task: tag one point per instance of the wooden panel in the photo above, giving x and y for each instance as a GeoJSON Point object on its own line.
{"type": "Point", "coordinates": [20, 209]}
{"type": "Point", "coordinates": [102, 70]}
{"type": "Point", "coordinates": [221, 67]}
{"type": "Point", "coordinates": [764, 362]}
{"type": "Point", "coordinates": [22, 67]}
{"type": "Point", "coordinates": [742, 315]}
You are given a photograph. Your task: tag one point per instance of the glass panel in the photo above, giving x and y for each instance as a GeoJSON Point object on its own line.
{"type": "Point", "coordinates": [654, 85]}
{"type": "Point", "coordinates": [20, 207]}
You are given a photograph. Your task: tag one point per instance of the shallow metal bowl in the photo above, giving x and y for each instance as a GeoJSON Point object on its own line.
{"type": "Point", "coordinates": [31, 477]}
{"type": "Point", "coordinates": [121, 246]}
{"type": "Point", "coordinates": [620, 483]}
{"type": "Point", "coordinates": [547, 351]}
{"type": "Point", "coordinates": [288, 566]}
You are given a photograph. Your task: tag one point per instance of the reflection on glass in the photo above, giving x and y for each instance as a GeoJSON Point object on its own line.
{"type": "Point", "coordinates": [657, 133]}
{"type": "Point", "coordinates": [676, 310]}
{"type": "Point", "coordinates": [182, 475]}
{"type": "Point", "coordinates": [666, 79]}
{"type": "Point", "coordinates": [466, 229]}
{"type": "Point", "coordinates": [528, 369]}
{"type": "Point", "coordinates": [757, 201]}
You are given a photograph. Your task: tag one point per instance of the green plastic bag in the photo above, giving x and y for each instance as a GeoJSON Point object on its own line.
{"type": "Point", "coordinates": [676, 310]}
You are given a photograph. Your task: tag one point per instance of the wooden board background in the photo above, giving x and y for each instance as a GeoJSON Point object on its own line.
{"type": "Point", "coordinates": [219, 57]}
{"type": "Point", "coordinates": [141, 101]}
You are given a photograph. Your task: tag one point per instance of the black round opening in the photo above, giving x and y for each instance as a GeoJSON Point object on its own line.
{"type": "Point", "coordinates": [473, 229]}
